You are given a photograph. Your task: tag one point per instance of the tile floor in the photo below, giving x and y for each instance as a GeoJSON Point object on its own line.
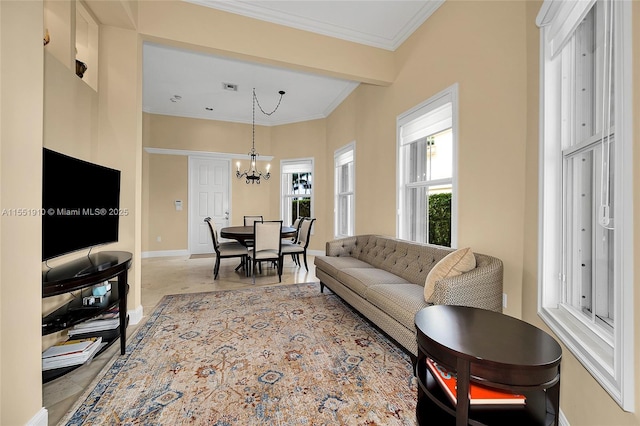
{"type": "Point", "coordinates": [161, 276]}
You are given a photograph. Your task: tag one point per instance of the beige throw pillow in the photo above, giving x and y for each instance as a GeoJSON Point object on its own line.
{"type": "Point", "coordinates": [453, 264]}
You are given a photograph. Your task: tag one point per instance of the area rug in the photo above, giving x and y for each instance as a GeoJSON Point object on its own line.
{"type": "Point", "coordinates": [281, 355]}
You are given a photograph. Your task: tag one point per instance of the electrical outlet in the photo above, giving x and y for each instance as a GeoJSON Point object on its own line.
{"type": "Point", "coordinates": [504, 300]}
{"type": "Point", "coordinates": [159, 238]}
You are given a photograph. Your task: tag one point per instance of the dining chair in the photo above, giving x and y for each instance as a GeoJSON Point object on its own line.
{"type": "Point", "coordinates": [225, 250]}
{"type": "Point", "coordinates": [249, 220]}
{"type": "Point", "coordinates": [304, 236]}
{"type": "Point", "coordinates": [267, 246]}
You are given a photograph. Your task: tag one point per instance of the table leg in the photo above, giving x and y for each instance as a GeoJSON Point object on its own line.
{"type": "Point", "coordinates": [462, 407]}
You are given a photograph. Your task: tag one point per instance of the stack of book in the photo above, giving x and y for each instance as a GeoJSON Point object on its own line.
{"type": "Point", "coordinates": [71, 352]}
{"type": "Point", "coordinates": [478, 395]}
{"type": "Point", "coordinates": [106, 325]}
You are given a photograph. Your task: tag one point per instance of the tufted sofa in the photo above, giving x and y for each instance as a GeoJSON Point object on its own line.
{"type": "Point", "coordinates": [383, 278]}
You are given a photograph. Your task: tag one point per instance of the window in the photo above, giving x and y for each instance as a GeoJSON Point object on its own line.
{"type": "Point", "coordinates": [344, 191]}
{"type": "Point", "coordinates": [297, 189]}
{"type": "Point", "coordinates": [586, 259]}
{"type": "Point", "coordinates": [426, 171]}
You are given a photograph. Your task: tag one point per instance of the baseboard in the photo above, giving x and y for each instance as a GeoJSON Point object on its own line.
{"type": "Point", "coordinates": [316, 252]}
{"type": "Point", "coordinates": [135, 315]}
{"type": "Point", "coordinates": [164, 253]}
{"type": "Point", "coordinates": [562, 420]}
{"type": "Point", "coordinates": [40, 419]}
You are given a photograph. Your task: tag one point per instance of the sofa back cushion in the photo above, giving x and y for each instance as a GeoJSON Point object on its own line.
{"type": "Point", "coordinates": [409, 260]}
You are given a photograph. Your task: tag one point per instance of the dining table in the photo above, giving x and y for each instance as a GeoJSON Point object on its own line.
{"type": "Point", "coordinates": [244, 233]}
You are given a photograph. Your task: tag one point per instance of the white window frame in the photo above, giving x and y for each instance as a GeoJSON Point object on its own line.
{"type": "Point", "coordinates": [348, 150]}
{"type": "Point", "coordinates": [450, 94]}
{"type": "Point", "coordinates": [609, 359]}
{"type": "Point", "coordinates": [302, 163]}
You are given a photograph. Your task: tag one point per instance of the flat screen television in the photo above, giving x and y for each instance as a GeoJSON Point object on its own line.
{"type": "Point", "coordinates": [80, 204]}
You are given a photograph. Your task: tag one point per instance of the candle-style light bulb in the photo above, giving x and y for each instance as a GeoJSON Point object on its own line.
{"type": "Point", "coordinates": [268, 167]}
{"type": "Point", "coordinates": [238, 166]}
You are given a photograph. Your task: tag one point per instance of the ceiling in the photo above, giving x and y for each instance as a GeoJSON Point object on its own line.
{"type": "Point", "coordinates": [193, 84]}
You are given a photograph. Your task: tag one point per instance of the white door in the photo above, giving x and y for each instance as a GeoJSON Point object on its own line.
{"type": "Point", "coordinates": [208, 197]}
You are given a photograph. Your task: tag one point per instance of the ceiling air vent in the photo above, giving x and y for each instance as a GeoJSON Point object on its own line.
{"type": "Point", "coordinates": [230, 87]}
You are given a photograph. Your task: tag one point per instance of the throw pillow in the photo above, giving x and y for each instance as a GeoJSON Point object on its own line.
{"type": "Point", "coordinates": [453, 264]}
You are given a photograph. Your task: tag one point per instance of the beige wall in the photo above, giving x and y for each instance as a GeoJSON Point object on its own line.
{"type": "Point", "coordinates": [484, 54]}
{"type": "Point", "coordinates": [167, 177]}
{"type": "Point", "coordinates": [21, 106]}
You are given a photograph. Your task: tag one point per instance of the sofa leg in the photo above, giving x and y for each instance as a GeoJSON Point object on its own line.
{"type": "Point", "coordinates": [321, 287]}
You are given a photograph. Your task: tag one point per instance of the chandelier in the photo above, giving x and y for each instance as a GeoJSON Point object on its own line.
{"type": "Point", "coordinates": [252, 175]}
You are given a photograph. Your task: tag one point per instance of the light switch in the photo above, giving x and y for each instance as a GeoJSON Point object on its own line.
{"type": "Point", "coordinates": [178, 204]}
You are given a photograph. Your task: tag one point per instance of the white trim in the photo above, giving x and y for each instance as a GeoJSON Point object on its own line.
{"type": "Point", "coordinates": [40, 419]}
{"type": "Point", "coordinates": [164, 253]}
{"type": "Point", "coordinates": [625, 132]}
{"type": "Point", "coordinates": [135, 315]}
{"type": "Point", "coordinates": [316, 253]}
{"type": "Point", "coordinates": [219, 155]}
{"type": "Point", "coordinates": [261, 11]}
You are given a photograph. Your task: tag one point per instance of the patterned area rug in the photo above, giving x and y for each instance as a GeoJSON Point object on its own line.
{"type": "Point", "coordinates": [282, 355]}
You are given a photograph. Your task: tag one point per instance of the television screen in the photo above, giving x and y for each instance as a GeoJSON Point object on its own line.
{"type": "Point", "coordinates": [80, 204]}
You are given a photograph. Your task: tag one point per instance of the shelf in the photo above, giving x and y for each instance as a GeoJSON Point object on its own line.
{"type": "Point", "coordinates": [53, 374]}
{"type": "Point", "coordinates": [435, 407]}
{"type": "Point", "coordinates": [74, 312]}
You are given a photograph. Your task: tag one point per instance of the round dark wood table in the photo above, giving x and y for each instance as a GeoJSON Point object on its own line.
{"type": "Point", "coordinates": [244, 233]}
{"type": "Point", "coordinates": [491, 349]}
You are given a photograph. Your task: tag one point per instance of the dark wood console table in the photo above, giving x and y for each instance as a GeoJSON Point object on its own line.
{"type": "Point", "coordinates": [491, 349]}
{"type": "Point", "coordinates": [79, 274]}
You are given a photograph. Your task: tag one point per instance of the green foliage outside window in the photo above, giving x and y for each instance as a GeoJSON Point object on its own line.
{"type": "Point", "coordinates": [301, 208]}
{"type": "Point", "coordinates": [440, 219]}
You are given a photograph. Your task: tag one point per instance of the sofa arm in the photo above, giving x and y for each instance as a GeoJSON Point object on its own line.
{"type": "Point", "coordinates": [479, 288]}
{"type": "Point", "coordinates": [341, 247]}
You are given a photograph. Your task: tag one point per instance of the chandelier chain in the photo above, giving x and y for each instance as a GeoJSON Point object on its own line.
{"type": "Point", "coordinates": [252, 175]}
{"type": "Point", "coordinates": [260, 106]}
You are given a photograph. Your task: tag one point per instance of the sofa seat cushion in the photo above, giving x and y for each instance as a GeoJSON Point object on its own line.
{"type": "Point", "coordinates": [359, 279]}
{"type": "Point", "coordinates": [331, 265]}
{"type": "Point", "coordinates": [401, 301]}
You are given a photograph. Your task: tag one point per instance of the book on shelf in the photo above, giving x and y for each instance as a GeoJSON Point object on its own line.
{"type": "Point", "coordinates": [107, 335]}
{"type": "Point", "coordinates": [478, 394]}
{"type": "Point", "coordinates": [68, 347]}
{"type": "Point", "coordinates": [95, 325]}
{"type": "Point", "coordinates": [70, 352]}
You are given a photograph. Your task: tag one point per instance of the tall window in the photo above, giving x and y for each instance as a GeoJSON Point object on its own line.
{"type": "Point", "coordinates": [344, 191]}
{"type": "Point", "coordinates": [297, 189]}
{"type": "Point", "coordinates": [426, 153]}
{"type": "Point", "coordinates": [585, 197]}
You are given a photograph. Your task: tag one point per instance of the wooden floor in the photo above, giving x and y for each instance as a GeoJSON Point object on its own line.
{"type": "Point", "coordinates": [162, 276]}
